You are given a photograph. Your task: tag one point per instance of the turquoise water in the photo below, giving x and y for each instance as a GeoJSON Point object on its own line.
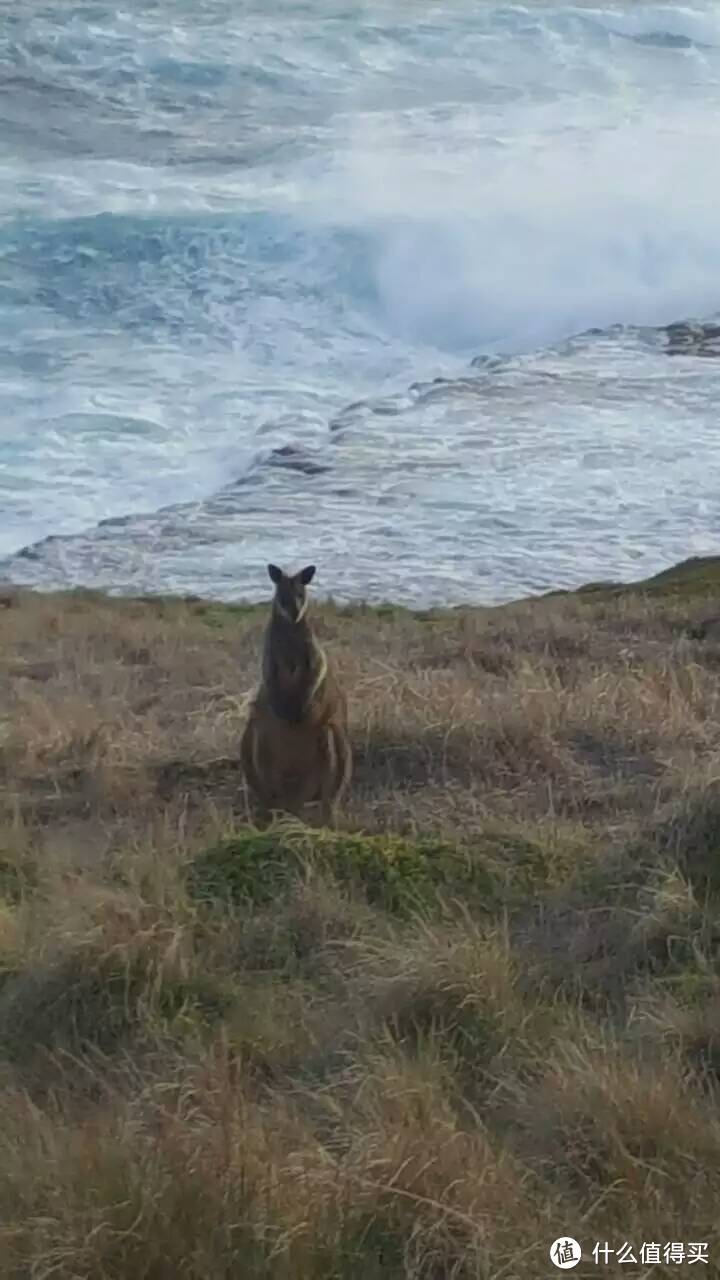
{"type": "Point", "coordinates": [380, 287]}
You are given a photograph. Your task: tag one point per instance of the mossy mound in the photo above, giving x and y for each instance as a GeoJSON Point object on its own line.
{"type": "Point", "coordinates": [397, 874]}
{"type": "Point", "coordinates": [527, 865]}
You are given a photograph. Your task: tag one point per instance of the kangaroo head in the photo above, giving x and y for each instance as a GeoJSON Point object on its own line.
{"type": "Point", "coordinates": [290, 594]}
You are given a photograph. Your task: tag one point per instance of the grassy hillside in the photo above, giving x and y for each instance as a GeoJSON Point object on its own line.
{"type": "Point", "coordinates": [483, 1014]}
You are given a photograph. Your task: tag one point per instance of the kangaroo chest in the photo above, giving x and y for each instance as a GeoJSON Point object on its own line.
{"type": "Point", "coordinates": [293, 668]}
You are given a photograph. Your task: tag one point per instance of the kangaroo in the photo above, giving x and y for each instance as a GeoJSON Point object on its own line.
{"type": "Point", "coordinates": [295, 749]}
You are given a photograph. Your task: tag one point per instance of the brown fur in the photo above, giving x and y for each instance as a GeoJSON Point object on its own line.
{"type": "Point", "coordinates": [295, 750]}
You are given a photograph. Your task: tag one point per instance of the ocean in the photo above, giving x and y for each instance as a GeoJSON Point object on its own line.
{"type": "Point", "coordinates": [382, 287]}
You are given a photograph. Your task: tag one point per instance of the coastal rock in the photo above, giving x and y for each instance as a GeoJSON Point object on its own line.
{"type": "Point", "coordinates": [294, 459]}
{"type": "Point", "coordinates": [685, 338]}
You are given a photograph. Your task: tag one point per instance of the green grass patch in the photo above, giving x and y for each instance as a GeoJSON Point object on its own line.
{"type": "Point", "coordinates": [220, 616]}
{"type": "Point", "coordinates": [696, 577]}
{"type": "Point", "coordinates": [530, 864]}
{"type": "Point", "coordinates": [397, 874]}
{"type": "Point", "coordinates": [392, 872]}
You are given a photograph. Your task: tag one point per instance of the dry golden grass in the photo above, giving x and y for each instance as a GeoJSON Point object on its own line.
{"type": "Point", "coordinates": [483, 1014]}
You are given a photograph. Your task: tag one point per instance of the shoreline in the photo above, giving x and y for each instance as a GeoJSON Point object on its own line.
{"type": "Point", "coordinates": [693, 575]}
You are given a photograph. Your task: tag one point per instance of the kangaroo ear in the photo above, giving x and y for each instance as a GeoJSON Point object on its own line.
{"type": "Point", "coordinates": [275, 573]}
{"type": "Point", "coordinates": [307, 575]}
